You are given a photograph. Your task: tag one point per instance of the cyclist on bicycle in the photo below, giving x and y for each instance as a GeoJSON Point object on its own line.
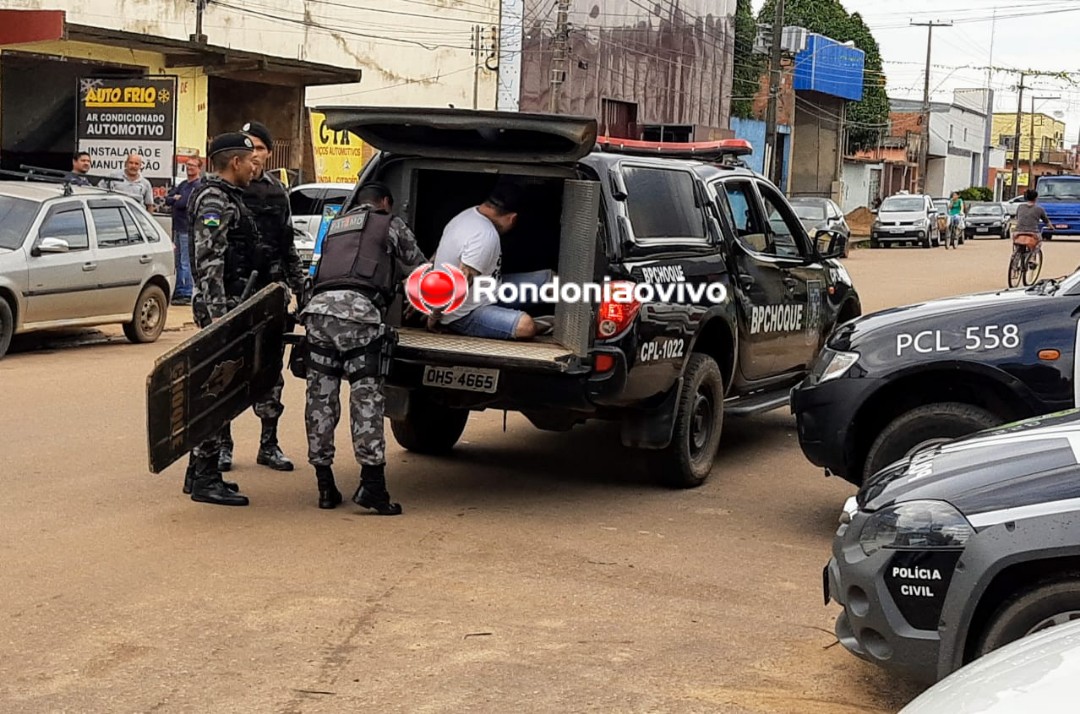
{"type": "Point", "coordinates": [1028, 217]}
{"type": "Point", "coordinates": [956, 211]}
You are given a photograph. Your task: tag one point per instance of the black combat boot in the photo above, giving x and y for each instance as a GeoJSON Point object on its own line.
{"type": "Point", "coordinates": [209, 488]}
{"type": "Point", "coordinates": [269, 453]}
{"type": "Point", "coordinates": [329, 496]}
{"type": "Point", "coordinates": [225, 459]}
{"type": "Point", "coordinates": [189, 478]}
{"type": "Point", "coordinates": [372, 492]}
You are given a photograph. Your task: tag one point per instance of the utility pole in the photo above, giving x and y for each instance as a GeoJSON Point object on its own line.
{"type": "Point", "coordinates": [476, 66]}
{"type": "Point", "coordinates": [558, 52]}
{"type": "Point", "coordinates": [199, 37]}
{"type": "Point", "coordinates": [772, 163]}
{"type": "Point", "coordinates": [924, 154]}
{"type": "Point", "coordinates": [1015, 189]}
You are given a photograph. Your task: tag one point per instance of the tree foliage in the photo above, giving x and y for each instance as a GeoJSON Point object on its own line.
{"type": "Point", "coordinates": [977, 193]}
{"type": "Point", "coordinates": [748, 66]}
{"type": "Point", "coordinates": [867, 119]}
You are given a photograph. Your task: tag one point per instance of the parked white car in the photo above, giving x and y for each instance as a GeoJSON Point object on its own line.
{"type": "Point", "coordinates": [1037, 673]}
{"type": "Point", "coordinates": [87, 257]}
{"type": "Point", "coordinates": [307, 203]}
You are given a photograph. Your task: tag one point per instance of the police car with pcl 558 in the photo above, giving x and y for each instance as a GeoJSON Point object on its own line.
{"type": "Point", "coordinates": [895, 380]}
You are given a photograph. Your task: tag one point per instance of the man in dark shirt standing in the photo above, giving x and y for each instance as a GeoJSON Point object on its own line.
{"type": "Point", "coordinates": [80, 166]}
{"type": "Point", "coordinates": [177, 200]}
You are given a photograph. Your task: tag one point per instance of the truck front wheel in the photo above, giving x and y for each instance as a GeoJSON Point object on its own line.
{"type": "Point", "coordinates": [429, 428]}
{"type": "Point", "coordinates": [699, 418]}
{"type": "Point", "coordinates": [925, 426]}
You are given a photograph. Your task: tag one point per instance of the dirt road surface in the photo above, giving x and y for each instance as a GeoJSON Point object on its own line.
{"type": "Point", "coordinates": [531, 572]}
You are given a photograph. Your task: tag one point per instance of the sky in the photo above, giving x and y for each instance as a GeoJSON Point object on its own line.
{"type": "Point", "coordinates": [1039, 35]}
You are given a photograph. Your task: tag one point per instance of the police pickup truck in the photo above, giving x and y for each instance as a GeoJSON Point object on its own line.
{"type": "Point", "coordinates": [629, 212]}
{"type": "Point", "coordinates": [891, 382]}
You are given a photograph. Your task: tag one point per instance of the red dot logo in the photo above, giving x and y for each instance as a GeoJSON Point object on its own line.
{"type": "Point", "coordinates": [437, 289]}
{"type": "Point", "coordinates": [430, 290]}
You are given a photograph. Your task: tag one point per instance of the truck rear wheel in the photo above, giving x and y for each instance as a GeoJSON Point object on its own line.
{"type": "Point", "coordinates": [923, 426]}
{"type": "Point", "coordinates": [699, 418]}
{"type": "Point", "coordinates": [429, 428]}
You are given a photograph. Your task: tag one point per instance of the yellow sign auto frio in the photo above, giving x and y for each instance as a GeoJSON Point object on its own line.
{"type": "Point", "coordinates": [339, 155]}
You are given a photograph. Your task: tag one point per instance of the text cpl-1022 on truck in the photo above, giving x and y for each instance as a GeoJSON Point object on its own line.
{"type": "Point", "coordinates": [894, 381]}
{"type": "Point", "coordinates": [667, 371]}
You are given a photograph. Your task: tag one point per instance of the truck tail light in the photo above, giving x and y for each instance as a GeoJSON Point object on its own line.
{"type": "Point", "coordinates": [618, 311]}
{"type": "Point", "coordinates": [604, 363]}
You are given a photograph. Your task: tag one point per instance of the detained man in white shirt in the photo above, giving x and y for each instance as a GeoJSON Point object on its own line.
{"type": "Point", "coordinates": [471, 242]}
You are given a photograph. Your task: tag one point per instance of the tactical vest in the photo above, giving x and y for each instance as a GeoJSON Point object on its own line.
{"type": "Point", "coordinates": [357, 255]}
{"type": "Point", "coordinates": [241, 239]}
{"type": "Point", "coordinates": [268, 202]}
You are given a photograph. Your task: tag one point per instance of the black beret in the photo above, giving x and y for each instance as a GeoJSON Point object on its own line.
{"type": "Point", "coordinates": [259, 130]}
{"type": "Point", "coordinates": [229, 142]}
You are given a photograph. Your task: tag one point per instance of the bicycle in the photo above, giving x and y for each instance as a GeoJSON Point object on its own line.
{"type": "Point", "coordinates": [1025, 264]}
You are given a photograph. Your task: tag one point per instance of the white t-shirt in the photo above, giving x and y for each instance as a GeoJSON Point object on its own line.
{"type": "Point", "coordinates": [472, 239]}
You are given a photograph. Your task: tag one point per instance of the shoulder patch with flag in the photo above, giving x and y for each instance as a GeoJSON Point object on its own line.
{"type": "Point", "coordinates": [212, 220]}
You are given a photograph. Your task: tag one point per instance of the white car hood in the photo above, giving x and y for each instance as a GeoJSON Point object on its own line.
{"type": "Point", "coordinates": [901, 216]}
{"type": "Point", "coordinates": [1038, 673]}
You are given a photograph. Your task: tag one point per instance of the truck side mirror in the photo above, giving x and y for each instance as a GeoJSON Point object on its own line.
{"type": "Point", "coordinates": [837, 244]}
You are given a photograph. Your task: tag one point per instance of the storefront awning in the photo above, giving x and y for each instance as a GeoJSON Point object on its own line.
{"type": "Point", "coordinates": [221, 61]}
{"type": "Point", "coordinates": [20, 26]}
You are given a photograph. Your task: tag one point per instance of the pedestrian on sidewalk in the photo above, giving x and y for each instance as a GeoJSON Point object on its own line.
{"type": "Point", "coordinates": [178, 200]}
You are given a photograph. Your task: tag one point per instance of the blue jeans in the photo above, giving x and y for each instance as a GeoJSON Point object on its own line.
{"type": "Point", "coordinates": [185, 284]}
{"type": "Point", "coordinates": [500, 321]}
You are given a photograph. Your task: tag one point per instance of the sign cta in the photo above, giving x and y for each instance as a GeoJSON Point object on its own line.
{"type": "Point", "coordinates": [117, 116]}
{"type": "Point", "coordinates": [339, 155]}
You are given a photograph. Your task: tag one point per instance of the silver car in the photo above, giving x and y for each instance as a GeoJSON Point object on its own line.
{"type": "Point", "coordinates": [85, 257]}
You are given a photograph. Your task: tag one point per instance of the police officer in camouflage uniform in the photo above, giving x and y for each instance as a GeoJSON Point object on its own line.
{"type": "Point", "coordinates": [277, 261]}
{"type": "Point", "coordinates": [223, 258]}
{"type": "Point", "coordinates": [366, 254]}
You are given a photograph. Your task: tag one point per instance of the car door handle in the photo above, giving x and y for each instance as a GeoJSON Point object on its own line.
{"type": "Point", "coordinates": [790, 282]}
{"type": "Point", "coordinates": [746, 281]}
{"type": "Point", "coordinates": [87, 267]}
{"type": "Point", "coordinates": [145, 259]}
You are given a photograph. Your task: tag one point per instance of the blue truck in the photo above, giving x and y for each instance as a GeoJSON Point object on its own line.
{"type": "Point", "coordinates": [1060, 196]}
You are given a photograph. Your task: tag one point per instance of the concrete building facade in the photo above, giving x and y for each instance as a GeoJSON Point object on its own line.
{"type": "Point", "coordinates": [236, 62]}
{"type": "Point", "coordinates": [956, 154]}
{"type": "Point", "coordinates": [1045, 156]}
{"type": "Point", "coordinates": [646, 71]}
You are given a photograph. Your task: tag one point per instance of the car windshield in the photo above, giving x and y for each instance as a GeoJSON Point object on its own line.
{"type": "Point", "coordinates": [985, 211]}
{"type": "Point", "coordinates": [907, 204]}
{"type": "Point", "coordinates": [809, 211]}
{"type": "Point", "coordinates": [16, 215]}
{"type": "Point", "coordinates": [1054, 189]}
{"type": "Point", "coordinates": [941, 206]}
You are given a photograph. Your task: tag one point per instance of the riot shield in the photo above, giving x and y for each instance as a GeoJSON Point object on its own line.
{"type": "Point", "coordinates": [213, 377]}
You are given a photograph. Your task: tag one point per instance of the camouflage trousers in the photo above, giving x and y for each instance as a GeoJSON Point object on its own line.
{"type": "Point", "coordinates": [340, 348]}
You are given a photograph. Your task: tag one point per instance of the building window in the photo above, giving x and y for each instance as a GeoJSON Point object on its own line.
{"type": "Point", "coordinates": [965, 135]}
{"type": "Point", "coordinates": [619, 119]}
{"type": "Point", "coordinates": [667, 132]}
